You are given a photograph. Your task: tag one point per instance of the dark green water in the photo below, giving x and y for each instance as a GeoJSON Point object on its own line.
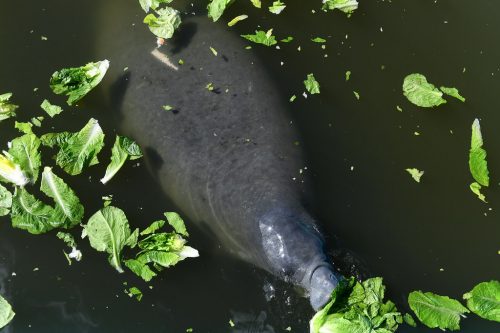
{"type": "Point", "coordinates": [394, 227]}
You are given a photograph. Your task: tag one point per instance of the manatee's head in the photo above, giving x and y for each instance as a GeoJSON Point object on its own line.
{"type": "Point", "coordinates": [323, 281]}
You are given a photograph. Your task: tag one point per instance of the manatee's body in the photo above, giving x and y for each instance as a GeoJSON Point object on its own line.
{"type": "Point", "coordinates": [226, 157]}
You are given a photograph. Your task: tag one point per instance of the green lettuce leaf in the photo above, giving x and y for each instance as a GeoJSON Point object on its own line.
{"type": "Point", "coordinates": [155, 226]}
{"type": "Point", "coordinates": [123, 149]}
{"type": "Point", "coordinates": [420, 92]}
{"type": "Point", "coordinates": [52, 110]}
{"type": "Point", "coordinates": [415, 173]}
{"type": "Point", "coordinates": [236, 20]}
{"type": "Point", "coordinates": [134, 292]}
{"type": "Point", "coordinates": [109, 231]}
{"type": "Point", "coordinates": [25, 152]}
{"type": "Point", "coordinates": [347, 6]}
{"type": "Point", "coordinates": [152, 4]}
{"type": "Point", "coordinates": [476, 189]}
{"type": "Point", "coordinates": [319, 40]}
{"type": "Point", "coordinates": [277, 7]}
{"type": "Point", "coordinates": [311, 84]}
{"type": "Point", "coordinates": [165, 24]}
{"type": "Point", "coordinates": [453, 92]}
{"type": "Point", "coordinates": [11, 172]}
{"type": "Point", "coordinates": [7, 109]}
{"type": "Point", "coordinates": [177, 223]}
{"type": "Point", "coordinates": [76, 82]}
{"type": "Point", "coordinates": [5, 201]}
{"type": "Point", "coordinates": [256, 3]}
{"type": "Point", "coordinates": [262, 37]}
{"type": "Point", "coordinates": [55, 139]}
{"type": "Point", "coordinates": [70, 241]}
{"type": "Point", "coordinates": [484, 300]}
{"type": "Point", "coordinates": [477, 156]}
{"type": "Point", "coordinates": [6, 312]}
{"type": "Point", "coordinates": [140, 269]}
{"type": "Point", "coordinates": [23, 127]}
{"type": "Point", "coordinates": [217, 7]}
{"type": "Point", "coordinates": [79, 150]}
{"type": "Point", "coordinates": [436, 311]}
{"type": "Point", "coordinates": [68, 208]}
{"type": "Point", "coordinates": [29, 213]}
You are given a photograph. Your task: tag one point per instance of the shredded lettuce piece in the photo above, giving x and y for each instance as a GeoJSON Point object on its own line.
{"type": "Point", "coordinates": [277, 7]}
{"type": "Point", "coordinates": [346, 6]}
{"type": "Point", "coordinates": [23, 127]}
{"type": "Point", "coordinates": [134, 292]}
{"type": "Point", "coordinates": [51, 109]}
{"type": "Point", "coordinates": [70, 241]}
{"type": "Point", "coordinates": [484, 300]}
{"type": "Point", "coordinates": [477, 156]}
{"type": "Point", "coordinates": [311, 84]}
{"type": "Point", "coordinates": [420, 92]}
{"type": "Point", "coordinates": [6, 312]}
{"type": "Point", "coordinates": [318, 40]}
{"type": "Point", "coordinates": [415, 173]}
{"type": "Point", "coordinates": [217, 7]}
{"type": "Point", "coordinates": [453, 92]}
{"type": "Point", "coordinates": [25, 152]}
{"type": "Point", "coordinates": [236, 20]}
{"type": "Point", "coordinates": [476, 189]}
{"type": "Point", "coordinates": [165, 24]}
{"type": "Point", "coordinates": [7, 109]}
{"type": "Point", "coordinates": [262, 37]}
{"type": "Point", "coordinates": [146, 5]}
{"type": "Point", "coordinates": [123, 149]}
{"type": "Point", "coordinates": [77, 82]}
{"type": "Point", "coordinates": [287, 39]}
{"type": "Point", "coordinates": [5, 201]}
{"type": "Point", "coordinates": [256, 3]}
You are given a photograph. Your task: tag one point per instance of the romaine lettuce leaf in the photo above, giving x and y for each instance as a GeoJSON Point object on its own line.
{"type": "Point", "coordinates": [77, 82]}
{"type": "Point", "coordinates": [123, 149]}
{"type": "Point", "coordinates": [262, 37]}
{"type": "Point", "coordinates": [5, 201]}
{"type": "Point", "coordinates": [453, 92]}
{"type": "Point", "coordinates": [23, 127]}
{"type": "Point", "coordinates": [11, 172]}
{"type": "Point", "coordinates": [165, 24]}
{"type": "Point", "coordinates": [109, 231]}
{"type": "Point", "coordinates": [436, 311]}
{"type": "Point", "coordinates": [25, 152]}
{"type": "Point", "coordinates": [6, 312]}
{"type": "Point", "coordinates": [55, 139]}
{"type": "Point", "coordinates": [277, 7]}
{"type": "Point", "coordinates": [477, 156]}
{"type": "Point", "coordinates": [217, 7]}
{"type": "Point", "coordinates": [7, 109]}
{"type": "Point", "coordinates": [51, 109]}
{"type": "Point", "coordinates": [311, 84]}
{"type": "Point", "coordinates": [347, 6]}
{"type": "Point", "coordinates": [155, 226]}
{"type": "Point", "coordinates": [177, 223]}
{"type": "Point", "coordinates": [484, 300]}
{"type": "Point", "coordinates": [420, 92]}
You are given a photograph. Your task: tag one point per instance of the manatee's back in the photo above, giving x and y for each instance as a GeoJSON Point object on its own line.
{"type": "Point", "coordinates": [225, 156]}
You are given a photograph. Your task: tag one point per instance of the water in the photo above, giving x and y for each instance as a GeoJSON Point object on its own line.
{"type": "Point", "coordinates": [389, 225]}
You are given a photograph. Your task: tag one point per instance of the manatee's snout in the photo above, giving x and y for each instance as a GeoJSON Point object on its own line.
{"type": "Point", "coordinates": [323, 281]}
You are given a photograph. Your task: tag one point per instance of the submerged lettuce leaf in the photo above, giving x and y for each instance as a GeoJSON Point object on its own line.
{"type": "Point", "coordinates": [484, 300]}
{"type": "Point", "coordinates": [436, 311]}
{"type": "Point", "coordinates": [477, 156]}
{"type": "Point", "coordinates": [123, 149]}
{"type": "Point", "coordinates": [165, 24]}
{"type": "Point", "coordinates": [68, 208]}
{"type": "Point", "coordinates": [7, 109]}
{"type": "Point", "coordinates": [347, 6]}
{"type": "Point", "coordinates": [79, 150]}
{"type": "Point", "coordinates": [70, 241]}
{"type": "Point", "coordinates": [76, 82]}
{"type": "Point", "coordinates": [217, 7]}
{"type": "Point", "coordinates": [311, 84]}
{"type": "Point", "coordinates": [29, 213]}
{"type": "Point", "coordinates": [51, 109]}
{"type": "Point", "coordinates": [5, 201]}
{"type": "Point", "coordinates": [109, 231]}
{"type": "Point", "coordinates": [420, 92]}
{"type": "Point", "coordinates": [6, 312]}
{"type": "Point", "coordinates": [262, 37]}
{"type": "Point", "coordinates": [25, 152]}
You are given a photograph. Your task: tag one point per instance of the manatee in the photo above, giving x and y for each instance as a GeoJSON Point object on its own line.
{"type": "Point", "coordinates": [225, 153]}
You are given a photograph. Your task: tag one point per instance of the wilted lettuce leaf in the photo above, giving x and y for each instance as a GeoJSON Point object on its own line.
{"type": "Point", "coordinates": [79, 150]}
{"type": "Point", "coordinates": [11, 172]}
{"type": "Point", "coordinates": [52, 110]}
{"type": "Point", "coordinates": [477, 156]}
{"type": "Point", "coordinates": [453, 92]}
{"type": "Point", "coordinates": [76, 82]}
{"type": "Point", "coordinates": [6, 312]}
{"type": "Point", "coordinates": [436, 311]}
{"type": "Point", "coordinates": [123, 149]}
{"type": "Point", "coordinates": [347, 6]}
{"type": "Point", "coordinates": [31, 214]}
{"type": "Point", "coordinates": [420, 92]}
{"type": "Point", "coordinates": [262, 37]}
{"type": "Point", "coordinates": [68, 208]}
{"type": "Point", "coordinates": [476, 189]}
{"type": "Point", "coordinates": [236, 20]}
{"type": "Point", "coordinates": [165, 24]}
{"type": "Point", "coordinates": [152, 4]}
{"type": "Point", "coordinates": [217, 7]}
{"type": "Point", "coordinates": [25, 152]}
{"type": "Point", "coordinates": [277, 7]}
{"type": "Point", "coordinates": [7, 109]}
{"type": "Point", "coordinates": [109, 231]}
{"type": "Point", "coordinates": [5, 201]}
{"type": "Point", "coordinates": [311, 84]}
{"type": "Point", "coordinates": [484, 300]}
{"type": "Point", "coordinates": [415, 173]}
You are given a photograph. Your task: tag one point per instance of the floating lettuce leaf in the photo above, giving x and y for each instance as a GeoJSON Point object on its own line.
{"type": "Point", "coordinates": [453, 92]}
{"type": "Point", "coordinates": [262, 37]}
{"type": "Point", "coordinates": [287, 39]}
{"type": "Point", "coordinates": [318, 40]}
{"type": "Point", "coordinates": [484, 300]}
{"type": "Point", "coordinates": [177, 223]}
{"type": "Point", "coordinates": [123, 149]}
{"type": "Point", "coordinates": [408, 319]}
{"type": "Point", "coordinates": [5, 201]}
{"type": "Point", "coordinates": [7, 109]}
{"type": "Point", "coordinates": [140, 269]}
{"type": "Point", "coordinates": [277, 7]}
{"type": "Point", "coordinates": [55, 139]}
{"type": "Point", "coordinates": [165, 24]}
{"type": "Point", "coordinates": [155, 226]}
{"type": "Point", "coordinates": [11, 172]}
{"type": "Point", "coordinates": [109, 231]}
{"type": "Point", "coordinates": [68, 207]}
{"type": "Point", "coordinates": [436, 311]}
{"type": "Point", "coordinates": [23, 127]}
{"type": "Point", "coordinates": [347, 6]}
{"type": "Point", "coordinates": [79, 150]}
{"type": "Point", "coordinates": [6, 312]}
{"type": "Point", "coordinates": [415, 173]}
{"type": "Point", "coordinates": [29, 213]}
{"type": "Point", "coordinates": [25, 152]}
{"type": "Point", "coordinates": [134, 292]}
{"type": "Point", "coordinates": [52, 110]}
{"type": "Point", "coordinates": [420, 92]}
{"type": "Point", "coordinates": [70, 241]}
{"type": "Point", "coordinates": [217, 7]}
{"type": "Point", "coordinates": [311, 84]}
{"type": "Point", "coordinates": [477, 156]}
{"type": "Point", "coordinates": [476, 189]}
{"type": "Point", "coordinates": [236, 20]}
{"type": "Point", "coordinates": [256, 3]}
{"type": "Point", "coordinates": [152, 4]}
{"type": "Point", "coordinates": [77, 82]}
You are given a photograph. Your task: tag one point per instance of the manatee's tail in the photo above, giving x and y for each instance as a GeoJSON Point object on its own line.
{"type": "Point", "coordinates": [322, 282]}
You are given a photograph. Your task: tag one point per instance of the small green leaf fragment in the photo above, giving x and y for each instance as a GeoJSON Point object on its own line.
{"type": "Point", "coordinates": [52, 110]}
{"type": "Point", "coordinates": [256, 3]}
{"type": "Point", "coordinates": [312, 86]}
{"type": "Point", "coordinates": [123, 149]}
{"type": "Point", "coordinates": [287, 39]}
{"type": "Point", "coordinates": [356, 94]}
{"type": "Point", "coordinates": [408, 319]}
{"type": "Point", "coordinates": [347, 75]}
{"type": "Point", "coordinates": [25, 128]}
{"type": "Point", "coordinates": [415, 173]}
{"type": "Point", "coordinates": [346, 6]}
{"type": "Point", "coordinates": [5, 201]}
{"type": "Point", "coordinates": [214, 51]}
{"type": "Point", "coordinates": [217, 7]}
{"type": "Point", "coordinates": [293, 98]}
{"type": "Point", "coordinates": [177, 223]}
{"type": "Point", "coordinates": [237, 19]}
{"type": "Point", "coordinates": [420, 92]}
{"type": "Point", "coordinates": [453, 92]}
{"type": "Point", "coordinates": [318, 40]}
{"type": "Point", "coordinates": [262, 37]}
{"type": "Point", "coordinates": [134, 292]}
{"type": "Point", "coordinates": [476, 189]}
{"type": "Point", "coordinates": [477, 156]}
{"type": "Point", "coordinates": [277, 7]}
{"type": "Point", "coordinates": [7, 109]}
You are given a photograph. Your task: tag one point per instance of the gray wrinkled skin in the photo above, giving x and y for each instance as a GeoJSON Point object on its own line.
{"type": "Point", "coordinates": [226, 159]}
